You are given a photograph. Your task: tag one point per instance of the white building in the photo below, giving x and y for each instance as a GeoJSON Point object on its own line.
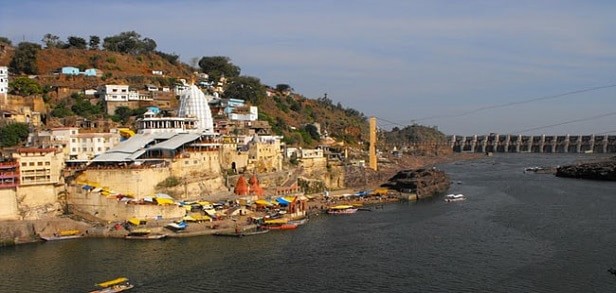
{"type": "Point", "coordinates": [75, 145]}
{"type": "Point", "coordinates": [4, 80]}
{"type": "Point", "coordinates": [121, 93]}
{"type": "Point", "coordinates": [113, 93]}
{"type": "Point", "coordinates": [252, 115]}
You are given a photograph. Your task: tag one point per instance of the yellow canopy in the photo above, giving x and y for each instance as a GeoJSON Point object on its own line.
{"type": "Point", "coordinates": [211, 212]}
{"type": "Point", "coordinates": [204, 203]}
{"type": "Point", "coordinates": [69, 232]}
{"type": "Point", "coordinates": [135, 221]}
{"type": "Point", "coordinates": [341, 207]}
{"type": "Point", "coordinates": [112, 282]}
{"type": "Point", "coordinates": [164, 201]}
{"type": "Point", "coordinates": [263, 202]}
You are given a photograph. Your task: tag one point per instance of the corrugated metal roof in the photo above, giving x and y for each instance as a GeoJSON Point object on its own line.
{"type": "Point", "coordinates": [176, 141]}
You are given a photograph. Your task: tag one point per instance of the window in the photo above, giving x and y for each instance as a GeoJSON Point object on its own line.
{"type": "Point", "coordinates": [100, 149]}
{"type": "Point", "coordinates": [24, 164]}
{"type": "Point", "coordinates": [31, 164]}
{"type": "Point", "coordinates": [74, 140]}
{"type": "Point", "coordinates": [47, 163]}
{"type": "Point", "coordinates": [39, 163]}
{"type": "Point", "coordinates": [114, 90]}
{"type": "Point", "coordinates": [74, 149]}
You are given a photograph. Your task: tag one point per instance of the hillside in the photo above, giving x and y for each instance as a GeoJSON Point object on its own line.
{"type": "Point", "coordinates": [288, 113]}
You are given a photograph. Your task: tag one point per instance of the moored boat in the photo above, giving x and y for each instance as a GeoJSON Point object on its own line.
{"type": "Point", "coordinates": [63, 235]}
{"type": "Point", "coordinates": [454, 197]}
{"type": "Point", "coordinates": [177, 226]}
{"type": "Point", "coordinates": [144, 234]}
{"type": "Point", "coordinates": [115, 285]}
{"type": "Point", "coordinates": [241, 234]}
{"type": "Point", "coordinates": [342, 210]}
{"type": "Point", "coordinates": [299, 221]}
{"type": "Point", "coordinates": [287, 226]}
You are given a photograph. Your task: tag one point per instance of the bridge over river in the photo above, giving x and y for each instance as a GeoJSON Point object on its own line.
{"type": "Point", "coordinates": [513, 143]}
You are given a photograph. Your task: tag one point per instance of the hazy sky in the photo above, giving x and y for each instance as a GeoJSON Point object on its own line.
{"type": "Point", "coordinates": [464, 66]}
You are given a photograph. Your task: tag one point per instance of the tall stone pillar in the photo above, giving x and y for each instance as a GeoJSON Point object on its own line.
{"type": "Point", "coordinates": [372, 149]}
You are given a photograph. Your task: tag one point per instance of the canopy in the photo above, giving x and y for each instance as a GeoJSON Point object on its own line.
{"type": "Point", "coordinates": [341, 207]}
{"type": "Point", "coordinates": [164, 201]}
{"type": "Point", "coordinates": [263, 202]}
{"type": "Point", "coordinates": [112, 282]}
{"type": "Point", "coordinates": [283, 201]}
{"type": "Point", "coordinates": [135, 221]}
{"type": "Point", "coordinates": [276, 221]}
{"type": "Point", "coordinates": [210, 212]}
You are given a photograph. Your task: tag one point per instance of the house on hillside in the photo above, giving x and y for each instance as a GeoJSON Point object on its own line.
{"type": "Point", "coordinates": [69, 70]}
{"type": "Point", "coordinates": [92, 72]}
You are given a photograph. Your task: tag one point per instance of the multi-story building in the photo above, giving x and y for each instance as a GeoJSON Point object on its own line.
{"type": "Point", "coordinates": [39, 166]}
{"type": "Point", "coordinates": [9, 174]}
{"type": "Point", "coordinates": [113, 93]}
{"type": "Point", "coordinates": [4, 80]}
{"type": "Point", "coordinates": [75, 145]}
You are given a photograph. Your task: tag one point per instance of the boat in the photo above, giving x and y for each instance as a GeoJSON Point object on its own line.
{"type": "Point", "coordinates": [177, 226]}
{"type": "Point", "coordinates": [144, 234]}
{"type": "Point", "coordinates": [342, 210]}
{"type": "Point", "coordinates": [287, 226]}
{"type": "Point", "coordinates": [115, 285]}
{"type": "Point", "coordinates": [63, 235]}
{"type": "Point", "coordinates": [454, 197]}
{"type": "Point", "coordinates": [241, 234]}
{"type": "Point", "coordinates": [299, 221]}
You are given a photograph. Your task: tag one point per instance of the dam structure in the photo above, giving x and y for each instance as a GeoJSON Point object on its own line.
{"type": "Point", "coordinates": [516, 143]}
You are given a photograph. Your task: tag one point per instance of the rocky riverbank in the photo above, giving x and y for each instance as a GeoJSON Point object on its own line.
{"type": "Point", "coordinates": [602, 170]}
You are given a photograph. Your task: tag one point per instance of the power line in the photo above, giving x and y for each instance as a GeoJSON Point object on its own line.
{"type": "Point", "coordinates": [519, 102]}
{"type": "Point", "coordinates": [566, 122]}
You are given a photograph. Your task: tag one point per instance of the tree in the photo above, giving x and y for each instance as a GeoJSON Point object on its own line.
{"type": "Point", "coordinates": [217, 66]}
{"type": "Point", "coordinates": [84, 108]}
{"type": "Point", "coordinates": [24, 59]}
{"type": "Point", "coordinates": [130, 43]}
{"type": "Point", "coordinates": [284, 88]}
{"type": "Point", "coordinates": [61, 111]}
{"type": "Point", "coordinates": [52, 41]}
{"type": "Point", "coordinates": [23, 86]}
{"type": "Point", "coordinates": [122, 114]}
{"type": "Point", "coordinates": [312, 131]}
{"type": "Point", "coordinates": [246, 88]}
{"type": "Point", "coordinates": [94, 42]}
{"type": "Point", "coordinates": [5, 40]}
{"type": "Point", "coordinates": [77, 42]}
{"type": "Point", "coordinates": [13, 134]}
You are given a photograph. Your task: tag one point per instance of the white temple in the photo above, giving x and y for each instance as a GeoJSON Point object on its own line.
{"type": "Point", "coordinates": [194, 104]}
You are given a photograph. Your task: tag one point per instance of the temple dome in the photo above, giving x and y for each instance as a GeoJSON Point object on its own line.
{"type": "Point", "coordinates": [194, 103]}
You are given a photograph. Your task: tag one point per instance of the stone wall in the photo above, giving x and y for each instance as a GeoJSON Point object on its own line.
{"type": "Point", "coordinates": [8, 205]}
{"type": "Point", "coordinates": [139, 182]}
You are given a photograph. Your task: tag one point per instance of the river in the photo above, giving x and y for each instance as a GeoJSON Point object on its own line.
{"type": "Point", "coordinates": [515, 232]}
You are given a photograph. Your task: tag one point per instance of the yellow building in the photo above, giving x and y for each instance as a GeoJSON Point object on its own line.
{"type": "Point", "coordinates": [39, 165]}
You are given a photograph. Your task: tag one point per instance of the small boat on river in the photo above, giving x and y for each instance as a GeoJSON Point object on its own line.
{"type": "Point", "coordinates": [177, 226]}
{"type": "Point", "coordinates": [454, 197]}
{"type": "Point", "coordinates": [241, 234]}
{"type": "Point", "coordinates": [342, 210]}
{"type": "Point", "coordinates": [299, 221]}
{"type": "Point", "coordinates": [287, 226]}
{"type": "Point", "coordinates": [63, 235]}
{"type": "Point", "coordinates": [115, 285]}
{"type": "Point", "coordinates": [144, 234]}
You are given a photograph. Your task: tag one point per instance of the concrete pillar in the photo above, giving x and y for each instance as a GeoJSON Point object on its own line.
{"type": "Point", "coordinates": [605, 143]}
{"type": "Point", "coordinates": [507, 141]}
{"type": "Point", "coordinates": [372, 147]}
{"type": "Point", "coordinates": [566, 144]}
{"type": "Point", "coordinates": [473, 143]}
{"type": "Point", "coordinates": [578, 147]}
{"type": "Point", "coordinates": [518, 143]}
{"type": "Point", "coordinates": [554, 143]}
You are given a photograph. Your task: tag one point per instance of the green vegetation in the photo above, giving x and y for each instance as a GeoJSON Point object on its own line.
{"type": "Point", "coordinates": [94, 42]}
{"type": "Point", "coordinates": [246, 88]}
{"type": "Point", "coordinates": [414, 134]}
{"type": "Point", "coordinates": [217, 66]}
{"type": "Point", "coordinates": [5, 40]}
{"type": "Point", "coordinates": [123, 114]}
{"type": "Point", "coordinates": [61, 110]}
{"type": "Point", "coordinates": [13, 134]}
{"type": "Point", "coordinates": [77, 43]}
{"type": "Point", "coordinates": [24, 59]}
{"type": "Point", "coordinates": [23, 86]}
{"type": "Point", "coordinates": [169, 182]}
{"type": "Point", "coordinates": [129, 43]}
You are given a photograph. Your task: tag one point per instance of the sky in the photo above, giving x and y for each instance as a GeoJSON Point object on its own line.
{"type": "Point", "coordinates": [466, 67]}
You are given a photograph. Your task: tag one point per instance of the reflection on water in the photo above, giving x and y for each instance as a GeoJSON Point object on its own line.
{"type": "Point", "coordinates": [515, 232]}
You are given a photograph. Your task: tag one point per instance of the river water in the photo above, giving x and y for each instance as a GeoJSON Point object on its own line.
{"type": "Point", "coordinates": [515, 232]}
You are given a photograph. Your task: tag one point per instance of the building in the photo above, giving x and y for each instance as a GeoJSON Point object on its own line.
{"type": "Point", "coordinates": [9, 174]}
{"type": "Point", "coordinates": [69, 70]}
{"type": "Point", "coordinates": [113, 93]}
{"type": "Point", "coordinates": [39, 166]}
{"type": "Point", "coordinates": [75, 145]}
{"type": "Point", "coordinates": [4, 80]}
